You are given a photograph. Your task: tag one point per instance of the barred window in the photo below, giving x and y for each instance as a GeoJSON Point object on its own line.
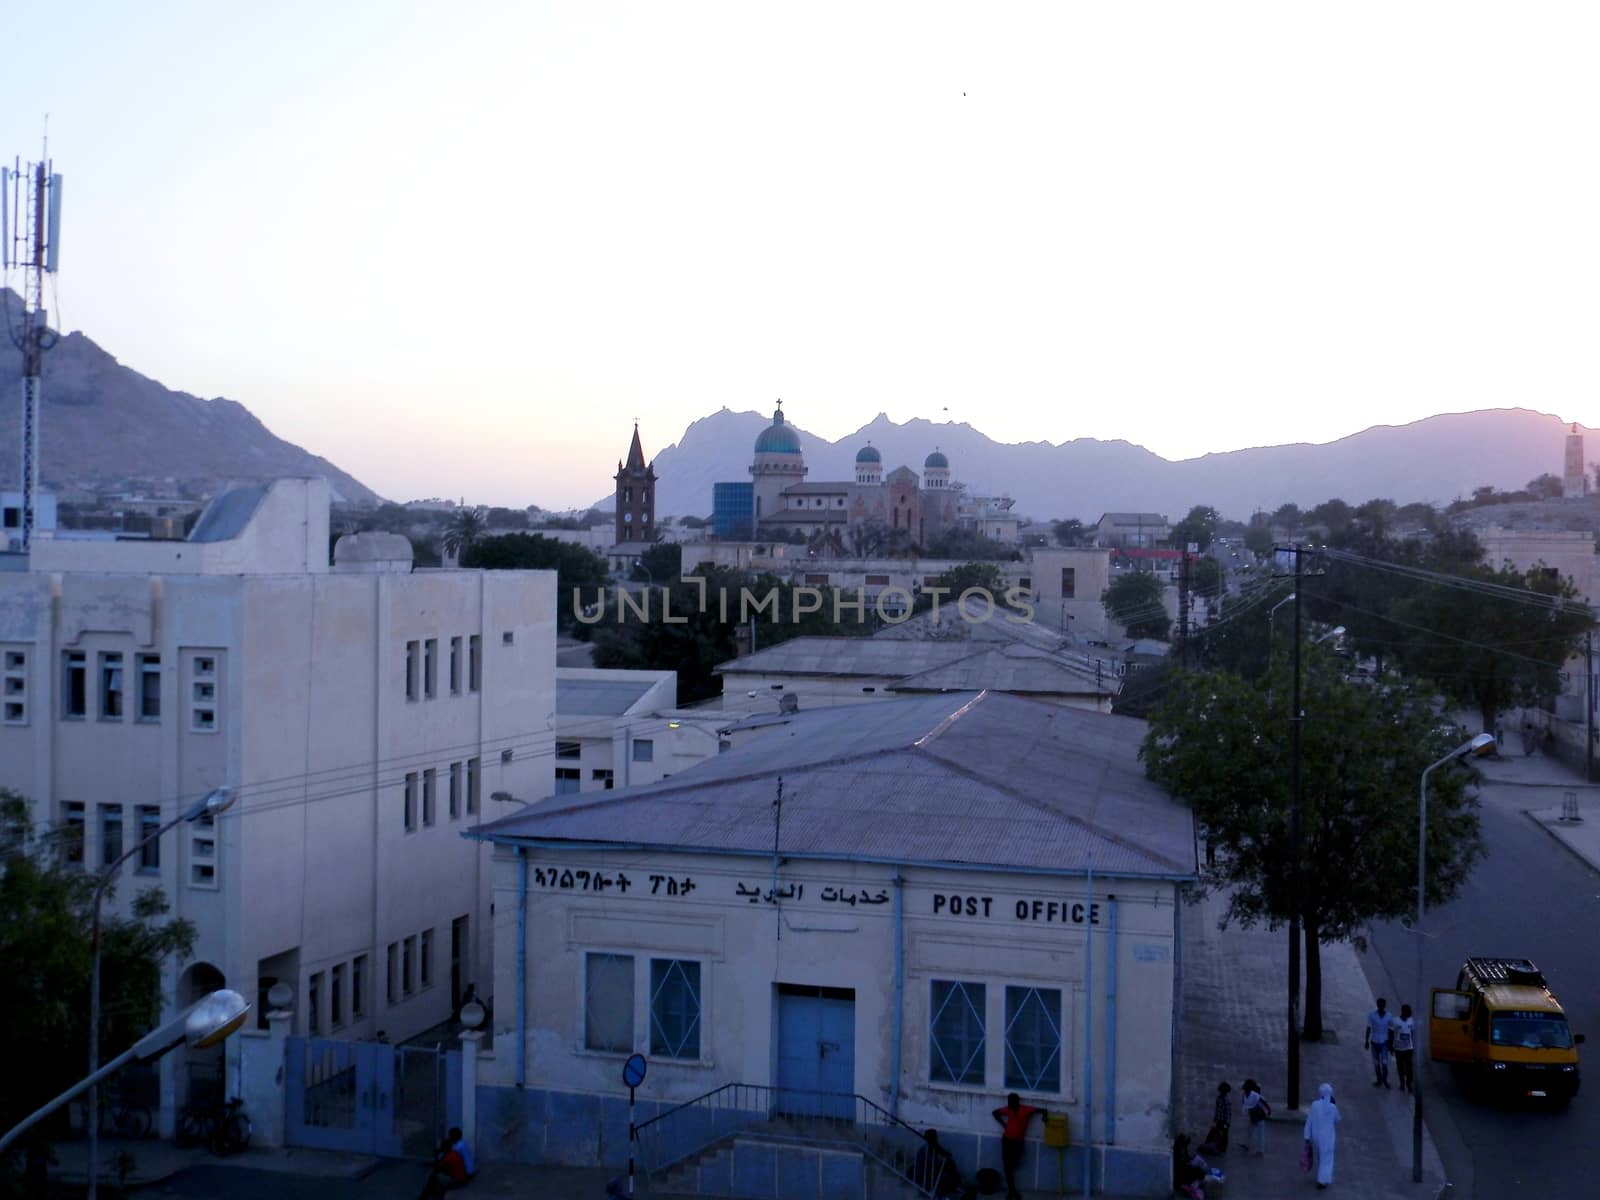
{"type": "Point", "coordinates": [608, 1003]}
{"type": "Point", "coordinates": [1033, 1039]}
{"type": "Point", "coordinates": [674, 1008]}
{"type": "Point", "coordinates": [956, 1032]}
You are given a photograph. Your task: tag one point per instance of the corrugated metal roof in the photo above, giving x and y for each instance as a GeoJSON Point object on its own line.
{"type": "Point", "coordinates": [1017, 670]}
{"type": "Point", "coordinates": [226, 516]}
{"type": "Point", "coordinates": [597, 697]}
{"type": "Point", "coordinates": [981, 780]}
{"type": "Point", "coordinates": [847, 656]}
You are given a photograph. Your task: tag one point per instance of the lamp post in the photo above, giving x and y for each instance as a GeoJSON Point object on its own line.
{"type": "Point", "coordinates": [214, 802]}
{"type": "Point", "coordinates": [1273, 612]}
{"type": "Point", "coordinates": [204, 1023]}
{"type": "Point", "coordinates": [1477, 747]}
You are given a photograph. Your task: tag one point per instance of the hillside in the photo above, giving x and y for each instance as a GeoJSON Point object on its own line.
{"type": "Point", "coordinates": [1437, 460]}
{"type": "Point", "coordinates": [103, 423]}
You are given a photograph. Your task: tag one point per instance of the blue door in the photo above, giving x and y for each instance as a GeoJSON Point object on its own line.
{"type": "Point", "coordinates": [817, 1051]}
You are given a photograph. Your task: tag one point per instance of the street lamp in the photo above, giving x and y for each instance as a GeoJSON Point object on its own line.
{"type": "Point", "coordinates": [213, 803]}
{"type": "Point", "coordinates": [1336, 631]}
{"type": "Point", "coordinates": [204, 1023]}
{"type": "Point", "coordinates": [1273, 612]}
{"type": "Point", "coordinates": [1475, 748]}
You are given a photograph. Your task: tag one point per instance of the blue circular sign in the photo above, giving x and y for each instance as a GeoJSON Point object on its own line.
{"type": "Point", "coordinates": [633, 1070]}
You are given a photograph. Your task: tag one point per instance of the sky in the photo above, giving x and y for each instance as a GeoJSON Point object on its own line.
{"type": "Point", "coordinates": [456, 248]}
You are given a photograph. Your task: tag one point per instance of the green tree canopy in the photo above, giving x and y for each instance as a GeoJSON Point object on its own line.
{"type": "Point", "coordinates": [1222, 744]}
{"type": "Point", "coordinates": [1134, 601]}
{"type": "Point", "coordinates": [661, 563]}
{"type": "Point", "coordinates": [1199, 528]}
{"type": "Point", "coordinates": [1206, 577]}
{"type": "Point", "coordinates": [44, 942]}
{"type": "Point", "coordinates": [968, 544]}
{"type": "Point", "coordinates": [1070, 532]}
{"type": "Point", "coordinates": [575, 567]}
{"type": "Point", "coordinates": [465, 528]}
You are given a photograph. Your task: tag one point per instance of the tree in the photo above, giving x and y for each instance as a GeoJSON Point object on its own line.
{"type": "Point", "coordinates": [662, 563]}
{"type": "Point", "coordinates": [1546, 487]}
{"type": "Point", "coordinates": [466, 527]}
{"type": "Point", "coordinates": [1205, 577]}
{"type": "Point", "coordinates": [580, 573]}
{"type": "Point", "coordinates": [1258, 537]}
{"type": "Point", "coordinates": [1199, 527]}
{"type": "Point", "coordinates": [971, 545]}
{"type": "Point", "coordinates": [1134, 601]}
{"type": "Point", "coordinates": [1070, 532]}
{"type": "Point", "coordinates": [1332, 515]}
{"type": "Point", "coordinates": [44, 937]}
{"type": "Point", "coordinates": [1221, 744]}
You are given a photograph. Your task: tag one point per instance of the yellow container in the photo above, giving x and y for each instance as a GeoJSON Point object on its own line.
{"type": "Point", "coordinates": [1056, 1134]}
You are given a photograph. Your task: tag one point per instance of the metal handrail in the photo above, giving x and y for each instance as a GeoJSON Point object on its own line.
{"type": "Point", "coordinates": [693, 1126]}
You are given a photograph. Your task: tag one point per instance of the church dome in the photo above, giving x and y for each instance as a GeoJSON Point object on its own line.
{"type": "Point", "coordinates": [936, 461]}
{"type": "Point", "coordinates": [778, 438]}
{"type": "Point", "coordinates": [868, 454]}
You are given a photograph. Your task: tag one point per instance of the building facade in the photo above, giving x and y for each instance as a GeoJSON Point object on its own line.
{"type": "Point", "coordinates": [362, 715]}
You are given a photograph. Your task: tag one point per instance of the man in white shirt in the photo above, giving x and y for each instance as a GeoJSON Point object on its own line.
{"type": "Point", "coordinates": [1377, 1040]}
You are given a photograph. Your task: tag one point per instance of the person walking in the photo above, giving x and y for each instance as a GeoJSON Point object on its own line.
{"type": "Point", "coordinates": [1014, 1117]}
{"type": "Point", "coordinates": [1321, 1121]}
{"type": "Point", "coordinates": [1221, 1119]}
{"type": "Point", "coordinates": [1256, 1111]}
{"type": "Point", "coordinates": [1379, 1022]}
{"type": "Point", "coordinates": [1403, 1039]}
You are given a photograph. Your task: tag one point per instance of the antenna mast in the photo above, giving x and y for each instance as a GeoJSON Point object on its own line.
{"type": "Point", "coordinates": [30, 239]}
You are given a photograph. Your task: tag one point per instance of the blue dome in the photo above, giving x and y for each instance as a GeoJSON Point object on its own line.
{"type": "Point", "coordinates": [778, 438]}
{"type": "Point", "coordinates": [936, 460]}
{"type": "Point", "coordinates": [868, 454]}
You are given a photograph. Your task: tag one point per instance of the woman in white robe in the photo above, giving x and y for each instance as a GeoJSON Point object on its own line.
{"type": "Point", "coordinates": [1320, 1123]}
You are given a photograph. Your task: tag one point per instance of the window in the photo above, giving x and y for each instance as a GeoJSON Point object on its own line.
{"type": "Point", "coordinates": [455, 790]}
{"type": "Point", "coordinates": [336, 996]}
{"type": "Point", "coordinates": [569, 750]}
{"type": "Point", "coordinates": [508, 638]}
{"type": "Point", "coordinates": [429, 794]}
{"type": "Point", "coordinates": [506, 756]}
{"type": "Point", "coordinates": [391, 972]}
{"type": "Point", "coordinates": [608, 1003]}
{"type": "Point", "coordinates": [413, 653]}
{"type": "Point", "coordinates": [817, 579]}
{"type": "Point", "coordinates": [203, 694]}
{"type": "Point", "coordinates": [74, 685]}
{"type": "Point", "coordinates": [567, 780]}
{"type": "Point", "coordinates": [72, 819]}
{"type": "Point", "coordinates": [455, 666]}
{"type": "Point", "coordinates": [1033, 1039]}
{"type": "Point", "coordinates": [956, 1032]}
{"type": "Point", "coordinates": [877, 581]}
{"type": "Point", "coordinates": [14, 687]}
{"type": "Point", "coordinates": [358, 987]}
{"type": "Point", "coordinates": [149, 687]}
{"type": "Point", "coordinates": [1069, 582]}
{"type": "Point", "coordinates": [203, 854]}
{"type": "Point", "coordinates": [148, 818]}
{"type": "Point", "coordinates": [603, 778]}
{"type": "Point", "coordinates": [314, 1003]}
{"type": "Point", "coordinates": [111, 685]}
{"type": "Point", "coordinates": [425, 958]}
{"type": "Point", "coordinates": [644, 750]}
{"type": "Point", "coordinates": [430, 668]}
{"type": "Point", "coordinates": [472, 787]}
{"type": "Point", "coordinates": [674, 1008]}
{"type": "Point", "coordinates": [110, 833]}
{"type": "Point", "coordinates": [408, 958]}
{"type": "Point", "coordinates": [474, 663]}
{"type": "Point", "coordinates": [411, 801]}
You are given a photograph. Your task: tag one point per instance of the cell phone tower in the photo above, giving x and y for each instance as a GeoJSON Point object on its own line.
{"type": "Point", "coordinates": [30, 241]}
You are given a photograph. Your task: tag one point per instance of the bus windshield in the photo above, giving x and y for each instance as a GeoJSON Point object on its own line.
{"type": "Point", "coordinates": [1531, 1031]}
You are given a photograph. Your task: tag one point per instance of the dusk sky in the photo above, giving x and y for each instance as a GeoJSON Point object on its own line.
{"type": "Point", "coordinates": [455, 248]}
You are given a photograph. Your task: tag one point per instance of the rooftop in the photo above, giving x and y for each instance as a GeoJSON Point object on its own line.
{"type": "Point", "coordinates": [980, 779]}
{"type": "Point", "coordinates": [598, 697]}
{"type": "Point", "coordinates": [1010, 669]}
{"type": "Point", "coordinates": [847, 656]}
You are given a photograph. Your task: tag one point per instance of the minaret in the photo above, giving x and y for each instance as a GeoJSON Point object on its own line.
{"type": "Point", "coordinates": [1573, 480]}
{"type": "Point", "coordinates": [636, 495]}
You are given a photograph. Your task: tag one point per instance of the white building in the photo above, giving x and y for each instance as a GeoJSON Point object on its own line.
{"type": "Point", "coordinates": [623, 728]}
{"type": "Point", "coordinates": [362, 715]}
{"type": "Point", "coordinates": [957, 897]}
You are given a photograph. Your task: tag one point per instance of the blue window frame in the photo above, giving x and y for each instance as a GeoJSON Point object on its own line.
{"type": "Point", "coordinates": [1033, 1039]}
{"type": "Point", "coordinates": [674, 1008]}
{"type": "Point", "coordinates": [956, 1033]}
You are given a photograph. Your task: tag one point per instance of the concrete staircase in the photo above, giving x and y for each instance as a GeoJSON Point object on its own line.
{"type": "Point", "coordinates": [790, 1159]}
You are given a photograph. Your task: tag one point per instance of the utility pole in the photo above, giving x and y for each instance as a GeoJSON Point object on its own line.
{"type": "Point", "coordinates": [30, 238]}
{"type": "Point", "coordinates": [1183, 609]}
{"type": "Point", "coordinates": [1588, 692]}
{"type": "Point", "coordinates": [1295, 716]}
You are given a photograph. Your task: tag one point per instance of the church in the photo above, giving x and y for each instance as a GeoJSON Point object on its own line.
{"type": "Point", "coordinates": [862, 515]}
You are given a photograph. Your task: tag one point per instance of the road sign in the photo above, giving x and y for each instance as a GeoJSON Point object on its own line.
{"type": "Point", "coordinates": [633, 1070]}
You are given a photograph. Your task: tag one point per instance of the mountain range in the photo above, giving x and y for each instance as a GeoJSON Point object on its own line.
{"type": "Point", "coordinates": [1436, 460]}
{"type": "Point", "coordinates": [102, 423]}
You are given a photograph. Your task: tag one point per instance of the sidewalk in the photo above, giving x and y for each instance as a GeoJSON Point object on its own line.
{"type": "Point", "coordinates": [1544, 785]}
{"type": "Point", "coordinates": [1235, 1025]}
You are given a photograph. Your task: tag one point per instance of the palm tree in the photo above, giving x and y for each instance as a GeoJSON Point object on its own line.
{"type": "Point", "coordinates": [466, 527]}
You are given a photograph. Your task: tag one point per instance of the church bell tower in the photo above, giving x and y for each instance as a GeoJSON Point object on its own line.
{"type": "Point", "coordinates": [636, 495]}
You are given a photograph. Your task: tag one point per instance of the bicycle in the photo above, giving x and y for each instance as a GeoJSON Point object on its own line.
{"type": "Point", "coordinates": [197, 1125]}
{"type": "Point", "coordinates": [232, 1132]}
{"type": "Point", "coordinates": [125, 1119]}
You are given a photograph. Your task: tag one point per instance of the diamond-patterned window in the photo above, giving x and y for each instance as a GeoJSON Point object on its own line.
{"type": "Point", "coordinates": [608, 1003]}
{"type": "Point", "coordinates": [1033, 1039]}
{"type": "Point", "coordinates": [956, 1032]}
{"type": "Point", "coordinates": [674, 1008]}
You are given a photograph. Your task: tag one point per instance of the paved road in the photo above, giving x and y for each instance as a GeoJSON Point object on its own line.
{"type": "Point", "coordinates": [1530, 896]}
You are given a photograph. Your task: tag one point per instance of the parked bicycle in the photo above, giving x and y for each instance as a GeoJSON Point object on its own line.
{"type": "Point", "coordinates": [125, 1118]}
{"type": "Point", "coordinates": [222, 1128]}
{"type": "Point", "coordinates": [232, 1133]}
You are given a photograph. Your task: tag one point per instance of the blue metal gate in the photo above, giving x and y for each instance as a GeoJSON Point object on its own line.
{"type": "Point", "coordinates": [817, 1051]}
{"type": "Point", "coordinates": [370, 1097]}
